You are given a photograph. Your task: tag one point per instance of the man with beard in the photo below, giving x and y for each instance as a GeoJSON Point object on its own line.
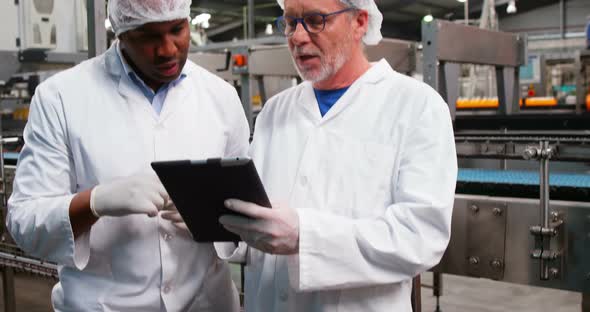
{"type": "Point", "coordinates": [360, 163]}
{"type": "Point", "coordinates": [84, 194]}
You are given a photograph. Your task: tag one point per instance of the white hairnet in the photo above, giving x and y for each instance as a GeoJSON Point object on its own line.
{"type": "Point", "coordinates": [130, 14]}
{"type": "Point", "coordinates": [373, 35]}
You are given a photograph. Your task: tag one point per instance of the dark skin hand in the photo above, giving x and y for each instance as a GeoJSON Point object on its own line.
{"type": "Point", "coordinates": [157, 52]}
{"type": "Point", "coordinates": [81, 216]}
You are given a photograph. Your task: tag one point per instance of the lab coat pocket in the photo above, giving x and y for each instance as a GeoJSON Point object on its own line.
{"type": "Point", "coordinates": [219, 292]}
{"type": "Point", "coordinates": [379, 174]}
{"type": "Point", "coordinates": [369, 175]}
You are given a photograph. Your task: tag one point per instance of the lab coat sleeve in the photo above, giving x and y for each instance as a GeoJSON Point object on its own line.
{"type": "Point", "coordinates": [237, 146]}
{"type": "Point", "coordinates": [44, 185]}
{"type": "Point", "coordinates": [239, 137]}
{"type": "Point", "coordinates": [337, 252]}
{"type": "Point", "coordinates": [229, 252]}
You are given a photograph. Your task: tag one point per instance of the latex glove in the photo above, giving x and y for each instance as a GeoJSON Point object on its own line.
{"type": "Point", "coordinates": [274, 231]}
{"type": "Point", "coordinates": [138, 194]}
{"type": "Point", "coordinates": [171, 214]}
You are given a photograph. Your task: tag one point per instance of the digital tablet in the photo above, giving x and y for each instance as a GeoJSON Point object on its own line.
{"type": "Point", "coordinates": [199, 188]}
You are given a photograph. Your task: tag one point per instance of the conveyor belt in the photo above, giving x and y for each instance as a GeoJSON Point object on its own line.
{"type": "Point", "coordinates": [525, 184]}
{"type": "Point", "coordinates": [501, 183]}
{"type": "Point", "coordinates": [10, 158]}
{"type": "Point", "coordinates": [537, 122]}
{"type": "Point", "coordinates": [522, 177]}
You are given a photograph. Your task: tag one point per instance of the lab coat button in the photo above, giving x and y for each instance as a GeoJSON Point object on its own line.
{"type": "Point", "coordinates": [304, 180]}
{"type": "Point", "coordinates": [166, 289]}
{"type": "Point", "coordinates": [167, 237]}
{"type": "Point", "coordinates": [283, 296]}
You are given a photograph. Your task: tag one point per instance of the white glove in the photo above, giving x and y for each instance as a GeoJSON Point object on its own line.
{"type": "Point", "coordinates": [138, 194]}
{"type": "Point", "coordinates": [171, 214]}
{"type": "Point", "coordinates": [274, 231]}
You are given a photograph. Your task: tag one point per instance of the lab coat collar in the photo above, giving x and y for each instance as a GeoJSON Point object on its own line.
{"type": "Point", "coordinates": [114, 67]}
{"type": "Point", "coordinates": [112, 63]}
{"type": "Point", "coordinates": [378, 71]}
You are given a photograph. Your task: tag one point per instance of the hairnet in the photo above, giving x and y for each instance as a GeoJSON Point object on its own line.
{"type": "Point", "coordinates": [373, 35]}
{"type": "Point", "coordinates": [130, 14]}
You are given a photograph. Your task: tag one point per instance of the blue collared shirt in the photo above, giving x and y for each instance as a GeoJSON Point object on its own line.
{"type": "Point", "coordinates": [155, 98]}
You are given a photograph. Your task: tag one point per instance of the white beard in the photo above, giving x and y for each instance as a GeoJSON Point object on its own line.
{"type": "Point", "coordinates": [328, 67]}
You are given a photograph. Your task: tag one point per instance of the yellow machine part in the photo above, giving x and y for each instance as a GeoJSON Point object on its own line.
{"type": "Point", "coordinates": [477, 103]}
{"type": "Point", "coordinates": [541, 102]}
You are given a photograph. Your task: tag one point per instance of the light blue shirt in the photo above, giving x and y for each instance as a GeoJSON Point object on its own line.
{"type": "Point", "coordinates": [155, 98]}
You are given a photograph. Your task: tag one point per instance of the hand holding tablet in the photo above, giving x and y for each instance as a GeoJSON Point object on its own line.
{"type": "Point", "coordinates": [199, 188]}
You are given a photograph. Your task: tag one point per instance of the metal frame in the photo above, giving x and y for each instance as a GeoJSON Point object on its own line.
{"type": "Point", "coordinates": [547, 240]}
{"type": "Point", "coordinates": [580, 59]}
{"type": "Point", "coordinates": [571, 271]}
{"type": "Point", "coordinates": [271, 57]}
{"type": "Point", "coordinates": [228, 45]}
{"type": "Point", "coordinates": [510, 146]}
{"type": "Point", "coordinates": [443, 54]}
{"type": "Point", "coordinates": [527, 241]}
{"type": "Point", "coordinates": [97, 40]}
{"type": "Point", "coordinates": [12, 62]}
{"type": "Point", "coordinates": [217, 63]}
{"type": "Point", "coordinates": [276, 60]}
{"type": "Point", "coordinates": [541, 242]}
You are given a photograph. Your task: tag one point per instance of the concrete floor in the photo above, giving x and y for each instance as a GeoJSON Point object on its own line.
{"type": "Point", "coordinates": [459, 295]}
{"type": "Point", "coordinates": [463, 294]}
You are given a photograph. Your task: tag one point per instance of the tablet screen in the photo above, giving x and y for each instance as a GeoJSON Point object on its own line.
{"type": "Point", "coordinates": [199, 188]}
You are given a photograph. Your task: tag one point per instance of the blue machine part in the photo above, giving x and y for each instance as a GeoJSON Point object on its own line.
{"type": "Point", "coordinates": [522, 178]}
{"type": "Point", "coordinates": [490, 176]}
{"type": "Point", "coordinates": [11, 156]}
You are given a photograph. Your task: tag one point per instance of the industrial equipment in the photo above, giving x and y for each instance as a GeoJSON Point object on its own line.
{"type": "Point", "coordinates": [443, 54]}
{"type": "Point", "coordinates": [522, 204]}
{"type": "Point", "coordinates": [263, 67]}
{"type": "Point", "coordinates": [38, 28]}
{"type": "Point", "coordinates": [81, 25]}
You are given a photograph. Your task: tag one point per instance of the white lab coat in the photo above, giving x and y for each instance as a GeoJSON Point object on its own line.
{"type": "Point", "coordinates": [90, 125]}
{"type": "Point", "coordinates": [373, 183]}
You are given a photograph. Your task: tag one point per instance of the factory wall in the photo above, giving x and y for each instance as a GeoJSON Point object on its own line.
{"type": "Point", "coordinates": [66, 25]}
{"type": "Point", "coordinates": [546, 20]}
{"type": "Point", "coordinates": [9, 18]}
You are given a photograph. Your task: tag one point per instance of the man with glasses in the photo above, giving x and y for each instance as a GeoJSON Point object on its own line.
{"type": "Point", "coordinates": [360, 163]}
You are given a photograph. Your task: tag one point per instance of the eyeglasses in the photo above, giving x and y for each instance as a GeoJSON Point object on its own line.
{"type": "Point", "coordinates": [313, 23]}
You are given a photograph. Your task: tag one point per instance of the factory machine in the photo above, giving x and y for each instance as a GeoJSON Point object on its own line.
{"type": "Point", "coordinates": [522, 204]}
{"type": "Point", "coordinates": [551, 80]}
{"type": "Point", "coordinates": [261, 68]}
{"type": "Point", "coordinates": [556, 81]}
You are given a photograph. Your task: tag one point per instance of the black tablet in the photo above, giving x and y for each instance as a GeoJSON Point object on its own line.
{"type": "Point", "coordinates": [199, 188]}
